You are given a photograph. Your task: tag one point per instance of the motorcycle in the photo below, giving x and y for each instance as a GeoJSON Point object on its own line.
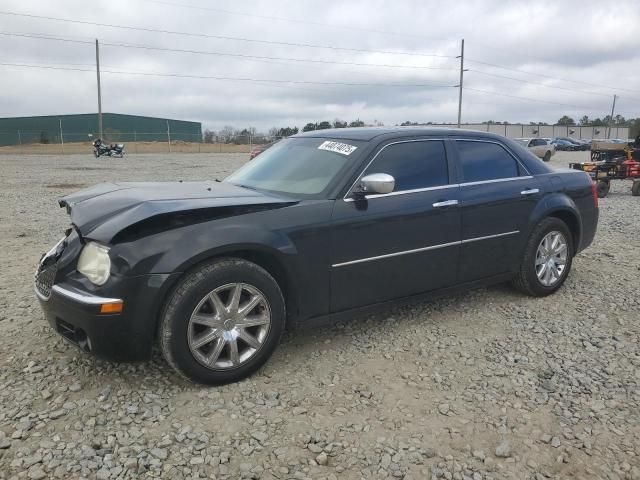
{"type": "Point", "coordinates": [101, 149]}
{"type": "Point", "coordinates": [117, 150]}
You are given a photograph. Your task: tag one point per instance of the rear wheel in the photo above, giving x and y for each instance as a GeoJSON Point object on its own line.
{"type": "Point", "coordinates": [547, 156]}
{"type": "Point", "coordinates": [635, 188]}
{"type": "Point", "coordinates": [223, 322]}
{"type": "Point", "coordinates": [603, 188]}
{"type": "Point", "coordinates": [547, 259]}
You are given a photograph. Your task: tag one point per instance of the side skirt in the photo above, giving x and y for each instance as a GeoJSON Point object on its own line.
{"type": "Point", "coordinates": [347, 315]}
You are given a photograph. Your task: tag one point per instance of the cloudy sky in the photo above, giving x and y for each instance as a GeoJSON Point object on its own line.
{"type": "Point", "coordinates": [388, 61]}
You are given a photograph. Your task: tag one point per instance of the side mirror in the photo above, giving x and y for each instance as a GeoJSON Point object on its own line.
{"type": "Point", "coordinates": [376, 183]}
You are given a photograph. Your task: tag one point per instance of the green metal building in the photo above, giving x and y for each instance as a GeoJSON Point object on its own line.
{"type": "Point", "coordinates": [84, 127]}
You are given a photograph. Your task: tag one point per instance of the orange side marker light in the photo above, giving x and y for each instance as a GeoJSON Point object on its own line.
{"type": "Point", "coordinates": [111, 307]}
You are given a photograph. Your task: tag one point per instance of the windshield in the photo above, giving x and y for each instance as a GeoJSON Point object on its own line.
{"type": "Point", "coordinates": [298, 166]}
{"type": "Point", "coordinates": [522, 141]}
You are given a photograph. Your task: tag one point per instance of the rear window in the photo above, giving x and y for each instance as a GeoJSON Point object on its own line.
{"type": "Point", "coordinates": [483, 161]}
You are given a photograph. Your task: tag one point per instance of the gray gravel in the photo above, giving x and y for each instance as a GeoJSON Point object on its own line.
{"type": "Point", "coordinates": [484, 385]}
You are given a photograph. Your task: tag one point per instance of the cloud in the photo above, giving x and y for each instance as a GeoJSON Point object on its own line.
{"type": "Point", "coordinates": [586, 41]}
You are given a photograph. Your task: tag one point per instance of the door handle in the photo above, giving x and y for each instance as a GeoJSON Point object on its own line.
{"type": "Point", "coordinates": [530, 191]}
{"type": "Point", "coordinates": [445, 203]}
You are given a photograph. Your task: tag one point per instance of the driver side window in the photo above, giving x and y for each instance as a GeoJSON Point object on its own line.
{"type": "Point", "coordinates": [413, 164]}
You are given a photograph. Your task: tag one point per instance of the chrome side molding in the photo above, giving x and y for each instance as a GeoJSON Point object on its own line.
{"type": "Point", "coordinates": [423, 249]}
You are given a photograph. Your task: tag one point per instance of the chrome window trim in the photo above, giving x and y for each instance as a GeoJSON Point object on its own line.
{"type": "Point", "coordinates": [441, 187]}
{"type": "Point", "coordinates": [404, 192]}
{"type": "Point", "coordinates": [423, 249]}
{"type": "Point", "coordinates": [495, 180]}
{"type": "Point", "coordinates": [496, 143]}
{"type": "Point", "coordinates": [347, 197]}
{"type": "Point", "coordinates": [82, 297]}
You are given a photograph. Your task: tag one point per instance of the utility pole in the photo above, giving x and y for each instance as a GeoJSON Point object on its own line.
{"type": "Point", "coordinates": [613, 107]}
{"type": "Point", "coordinates": [61, 138]}
{"type": "Point", "coordinates": [99, 92]}
{"type": "Point", "coordinates": [461, 57]}
{"type": "Point", "coordinates": [168, 136]}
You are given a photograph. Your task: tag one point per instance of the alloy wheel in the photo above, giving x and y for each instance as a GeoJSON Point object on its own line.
{"type": "Point", "coordinates": [551, 258]}
{"type": "Point", "coordinates": [228, 326]}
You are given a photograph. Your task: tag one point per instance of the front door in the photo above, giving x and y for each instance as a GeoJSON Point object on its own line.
{"type": "Point", "coordinates": [497, 197]}
{"type": "Point", "coordinates": [402, 243]}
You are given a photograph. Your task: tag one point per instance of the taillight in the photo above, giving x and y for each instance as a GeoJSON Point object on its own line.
{"type": "Point", "coordinates": [594, 192]}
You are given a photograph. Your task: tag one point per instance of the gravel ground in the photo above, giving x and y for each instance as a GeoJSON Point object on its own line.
{"type": "Point", "coordinates": [484, 385]}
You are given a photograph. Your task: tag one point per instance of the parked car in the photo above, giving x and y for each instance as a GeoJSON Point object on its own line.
{"type": "Point", "coordinates": [577, 144]}
{"type": "Point", "coordinates": [563, 145]}
{"type": "Point", "coordinates": [539, 147]}
{"type": "Point", "coordinates": [258, 149]}
{"type": "Point", "coordinates": [320, 226]}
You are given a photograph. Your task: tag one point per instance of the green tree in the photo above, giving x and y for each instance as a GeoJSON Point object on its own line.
{"type": "Point", "coordinates": [323, 125]}
{"type": "Point", "coordinates": [584, 120]}
{"type": "Point", "coordinates": [309, 127]}
{"type": "Point", "coordinates": [357, 123]}
{"type": "Point", "coordinates": [287, 131]}
{"type": "Point", "coordinates": [566, 120]}
{"type": "Point", "coordinates": [339, 124]}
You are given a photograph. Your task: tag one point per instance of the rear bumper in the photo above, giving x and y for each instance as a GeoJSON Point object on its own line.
{"type": "Point", "coordinates": [126, 336]}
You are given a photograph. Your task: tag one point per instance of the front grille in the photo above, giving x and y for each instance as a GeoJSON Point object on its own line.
{"type": "Point", "coordinates": [47, 269]}
{"type": "Point", "coordinates": [44, 280]}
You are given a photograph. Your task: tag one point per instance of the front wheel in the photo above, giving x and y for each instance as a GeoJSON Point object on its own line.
{"type": "Point", "coordinates": [223, 322]}
{"type": "Point", "coordinates": [547, 259]}
{"type": "Point", "coordinates": [547, 156]}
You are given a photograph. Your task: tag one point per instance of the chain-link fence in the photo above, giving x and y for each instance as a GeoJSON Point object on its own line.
{"type": "Point", "coordinates": [30, 142]}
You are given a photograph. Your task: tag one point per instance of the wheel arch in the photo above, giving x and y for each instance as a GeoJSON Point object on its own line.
{"type": "Point", "coordinates": [563, 208]}
{"type": "Point", "coordinates": [266, 258]}
{"type": "Point", "coordinates": [571, 220]}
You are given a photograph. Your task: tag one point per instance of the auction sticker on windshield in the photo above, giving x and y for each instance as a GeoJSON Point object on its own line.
{"type": "Point", "coordinates": [337, 147]}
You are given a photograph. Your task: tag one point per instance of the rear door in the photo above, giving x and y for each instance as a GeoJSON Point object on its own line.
{"type": "Point", "coordinates": [538, 147]}
{"type": "Point", "coordinates": [402, 243]}
{"type": "Point", "coordinates": [497, 197]}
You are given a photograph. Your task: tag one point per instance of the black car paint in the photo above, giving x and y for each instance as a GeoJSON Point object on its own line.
{"type": "Point", "coordinates": [304, 242]}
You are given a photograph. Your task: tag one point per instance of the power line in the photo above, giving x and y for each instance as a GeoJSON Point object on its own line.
{"type": "Point", "coordinates": [529, 99]}
{"type": "Point", "coordinates": [238, 79]}
{"type": "Point", "coordinates": [224, 54]}
{"type": "Point", "coordinates": [537, 83]}
{"type": "Point", "coordinates": [223, 37]}
{"type": "Point", "coordinates": [551, 77]}
{"type": "Point", "coordinates": [286, 19]}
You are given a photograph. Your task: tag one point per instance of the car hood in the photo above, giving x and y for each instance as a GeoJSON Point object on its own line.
{"type": "Point", "coordinates": [104, 210]}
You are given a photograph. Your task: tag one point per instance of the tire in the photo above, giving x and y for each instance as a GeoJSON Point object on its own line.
{"type": "Point", "coordinates": [527, 280]}
{"type": "Point", "coordinates": [179, 334]}
{"type": "Point", "coordinates": [547, 156]}
{"type": "Point", "coordinates": [603, 188]}
{"type": "Point", "coordinates": [635, 188]}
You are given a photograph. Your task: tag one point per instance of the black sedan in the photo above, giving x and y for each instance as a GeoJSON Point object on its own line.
{"type": "Point", "coordinates": [317, 227]}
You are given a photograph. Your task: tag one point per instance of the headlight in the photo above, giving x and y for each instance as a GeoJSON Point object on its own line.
{"type": "Point", "coordinates": [94, 263]}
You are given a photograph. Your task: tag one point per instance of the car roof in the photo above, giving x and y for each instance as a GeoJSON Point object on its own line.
{"type": "Point", "coordinates": [369, 133]}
